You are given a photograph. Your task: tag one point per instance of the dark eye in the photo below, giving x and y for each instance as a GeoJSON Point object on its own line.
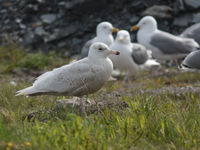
{"type": "Point", "coordinates": [100, 49]}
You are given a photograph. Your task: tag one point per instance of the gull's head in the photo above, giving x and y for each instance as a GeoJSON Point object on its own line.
{"type": "Point", "coordinates": [123, 37]}
{"type": "Point", "coordinates": [101, 50]}
{"type": "Point", "coordinates": [105, 28]}
{"type": "Point", "coordinates": [148, 23]}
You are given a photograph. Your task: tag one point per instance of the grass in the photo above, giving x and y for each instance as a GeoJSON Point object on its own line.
{"type": "Point", "coordinates": [12, 57]}
{"type": "Point", "coordinates": [165, 120]}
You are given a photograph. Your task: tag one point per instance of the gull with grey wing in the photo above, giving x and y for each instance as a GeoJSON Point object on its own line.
{"type": "Point", "coordinates": [164, 46]}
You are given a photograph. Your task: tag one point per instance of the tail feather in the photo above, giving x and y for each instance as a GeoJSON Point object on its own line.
{"type": "Point", "coordinates": [192, 43]}
{"type": "Point", "coordinates": [27, 91]}
{"type": "Point", "coordinates": [152, 62]}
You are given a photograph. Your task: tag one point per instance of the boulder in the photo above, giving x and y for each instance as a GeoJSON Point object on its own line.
{"type": "Point", "coordinates": [159, 11]}
{"type": "Point", "coordinates": [194, 4]}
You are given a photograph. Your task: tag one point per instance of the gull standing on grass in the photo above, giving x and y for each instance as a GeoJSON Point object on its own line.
{"type": "Point", "coordinates": [164, 46]}
{"type": "Point", "coordinates": [132, 55]}
{"type": "Point", "coordinates": [79, 78]}
{"type": "Point", "coordinates": [103, 34]}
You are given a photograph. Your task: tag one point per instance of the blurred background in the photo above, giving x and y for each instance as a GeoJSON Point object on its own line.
{"type": "Point", "coordinates": [65, 25]}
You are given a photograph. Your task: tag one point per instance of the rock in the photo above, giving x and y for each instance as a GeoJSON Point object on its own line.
{"type": "Point", "coordinates": [67, 24]}
{"type": "Point", "coordinates": [182, 20]}
{"type": "Point", "coordinates": [61, 44]}
{"type": "Point", "coordinates": [74, 104]}
{"type": "Point", "coordinates": [66, 54]}
{"type": "Point", "coordinates": [29, 38]}
{"type": "Point", "coordinates": [192, 3]}
{"type": "Point", "coordinates": [159, 11]}
{"type": "Point", "coordinates": [40, 31]}
{"type": "Point", "coordinates": [22, 26]}
{"type": "Point", "coordinates": [68, 103]}
{"type": "Point", "coordinates": [134, 19]}
{"type": "Point", "coordinates": [13, 83]}
{"type": "Point", "coordinates": [196, 18]}
{"type": "Point", "coordinates": [61, 33]}
{"type": "Point", "coordinates": [71, 4]}
{"type": "Point", "coordinates": [48, 18]}
{"type": "Point", "coordinates": [179, 6]}
{"type": "Point", "coordinates": [136, 6]}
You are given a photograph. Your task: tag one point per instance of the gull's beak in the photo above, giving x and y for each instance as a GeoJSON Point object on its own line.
{"type": "Point", "coordinates": [114, 52]}
{"type": "Point", "coordinates": [115, 30]}
{"type": "Point", "coordinates": [120, 39]}
{"type": "Point", "coordinates": [135, 27]}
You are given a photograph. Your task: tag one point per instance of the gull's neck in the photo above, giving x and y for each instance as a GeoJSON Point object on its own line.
{"type": "Point", "coordinates": [106, 38]}
{"type": "Point", "coordinates": [123, 43]}
{"type": "Point", "coordinates": [149, 29]}
{"type": "Point", "coordinates": [96, 57]}
{"type": "Point", "coordinates": [102, 34]}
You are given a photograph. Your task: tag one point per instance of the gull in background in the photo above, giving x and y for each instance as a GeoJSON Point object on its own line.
{"type": "Point", "coordinates": [104, 32]}
{"type": "Point", "coordinates": [132, 55]}
{"type": "Point", "coordinates": [191, 62]}
{"type": "Point", "coordinates": [164, 46]}
{"type": "Point", "coordinates": [192, 32]}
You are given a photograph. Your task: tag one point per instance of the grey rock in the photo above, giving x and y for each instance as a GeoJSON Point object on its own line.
{"type": "Point", "coordinates": [61, 44]}
{"type": "Point", "coordinates": [6, 21]}
{"type": "Point", "coordinates": [29, 38]}
{"type": "Point", "coordinates": [134, 19]}
{"type": "Point", "coordinates": [66, 54]}
{"type": "Point", "coordinates": [159, 11]}
{"type": "Point", "coordinates": [179, 5]}
{"type": "Point", "coordinates": [40, 31]}
{"type": "Point", "coordinates": [18, 20]}
{"type": "Point", "coordinates": [22, 26]}
{"type": "Point", "coordinates": [61, 33]}
{"type": "Point", "coordinates": [137, 6]}
{"type": "Point", "coordinates": [67, 103]}
{"type": "Point", "coordinates": [3, 11]}
{"type": "Point", "coordinates": [74, 104]}
{"type": "Point", "coordinates": [182, 20]}
{"type": "Point", "coordinates": [66, 24]}
{"type": "Point", "coordinates": [71, 4]}
{"type": "Point", "coordinates": [196, 18]}
{"type": "Point", "coordinates": [48, 18]}
{"type": "Point", "coordinates": [192, 3]}
{"type": "Point", "coordinates": [41, 1]}
{"type": "Point", "coordinates": [76, 41]}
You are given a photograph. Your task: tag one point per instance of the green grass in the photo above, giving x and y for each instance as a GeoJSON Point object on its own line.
{"type": "Point", "coordinates": [162, 121]}
{"type": "Point", "coordinates": [13, 57]}
{"type": "Point", "coordinates": [145, 113]}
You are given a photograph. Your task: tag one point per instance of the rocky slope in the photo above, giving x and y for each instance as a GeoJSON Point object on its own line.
{"type": "Point", "coordinates": [67, 24]}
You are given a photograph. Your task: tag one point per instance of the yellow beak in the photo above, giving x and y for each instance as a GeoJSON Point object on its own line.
{"type": "Point", "coordinates": [135, 27]}
{"type": "Point", "coordinates": [120, 39]}
{"type": "Point", "coordinates": [115, 30]}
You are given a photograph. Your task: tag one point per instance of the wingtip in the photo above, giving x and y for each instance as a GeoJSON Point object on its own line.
{"type": "Point", "coordinates": [20, 93]}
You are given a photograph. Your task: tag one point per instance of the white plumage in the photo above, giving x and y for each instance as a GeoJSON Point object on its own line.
{"type": "Point", "coordinates": [76, 79]}
{"type": "Point", "coordinates": [164, 46]}
{"type": "Point", "coordinates": [103, 34]}
{"type": "Point", "coordinates": [132, 55]}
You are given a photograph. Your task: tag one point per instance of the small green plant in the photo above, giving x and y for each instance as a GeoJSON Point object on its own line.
{"type": "Point", "coordinates": [35, 61]}
{"type": "Point", "coordinates": [12, 56]}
